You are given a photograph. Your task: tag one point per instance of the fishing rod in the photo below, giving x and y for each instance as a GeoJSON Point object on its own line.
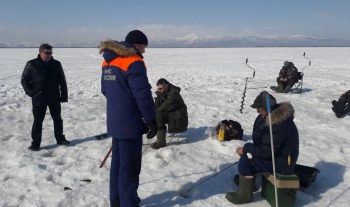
{"type": "Point", "coordinates": [105, 158]}
{"type": "Point", "coordinates": [150, 145]}
{"type": "Point", "coordinates": [110, 150]}
{"type": "Point", "coordinates": [245, 87]}
{"type": "Point", "coordinates": [184, 194]}
{"type": "Point", "coordinates": [272, 148]}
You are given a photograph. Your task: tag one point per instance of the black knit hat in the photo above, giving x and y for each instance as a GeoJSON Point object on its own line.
{"type": "Point", "coordinates": [260, 101]}
{"type": "Point", "coordinates": [136, 37]}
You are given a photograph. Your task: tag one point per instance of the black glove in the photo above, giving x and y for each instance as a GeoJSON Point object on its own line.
{"type": "Point", "coordinates": [152, 126]}
{"type": "Point", "coordinates": [145, 129]}
{"type": "Point", "coordinates": [62, 99]}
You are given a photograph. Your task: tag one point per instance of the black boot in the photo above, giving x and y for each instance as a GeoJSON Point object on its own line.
{"type": "Point", "coordinates": [245, 191]}
{"type": "Point", "coordinates": [340, 104]}
{"type": "Point", "coordinates": [335, 103]}
{"type": "Point", "coordinates": [337, 113]}
{"type": "Point", "coordinates": [64, 141]}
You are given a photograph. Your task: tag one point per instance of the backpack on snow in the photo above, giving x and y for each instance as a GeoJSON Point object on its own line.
{"type": "Point", "coordinates": [233, 129]}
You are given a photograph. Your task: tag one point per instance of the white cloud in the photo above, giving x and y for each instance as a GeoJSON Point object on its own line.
{"type": "Point", "coordinates": [247, 32]}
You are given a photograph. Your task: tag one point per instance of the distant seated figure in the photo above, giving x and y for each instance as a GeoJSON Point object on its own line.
{"type": "Point", "coordinates": [171, 111]}
{"type": "Point", "coordinates": [342, 106]}
{"type": "Point", "coordinates": [288, 76]}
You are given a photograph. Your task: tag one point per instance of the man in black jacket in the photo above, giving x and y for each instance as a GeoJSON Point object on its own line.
{"type": "Point", "coordinates": [44, 81]}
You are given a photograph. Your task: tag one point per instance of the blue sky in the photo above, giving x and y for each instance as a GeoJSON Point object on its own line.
{"type": "Point", "coordinates": [91, 20]}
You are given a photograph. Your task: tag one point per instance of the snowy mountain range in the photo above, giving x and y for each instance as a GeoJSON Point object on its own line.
{"type": "Point", "coordinates": [195, 41]}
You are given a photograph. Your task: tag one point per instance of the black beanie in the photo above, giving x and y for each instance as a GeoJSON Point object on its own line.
{"type": "Point", "coordinates": [136, 37]}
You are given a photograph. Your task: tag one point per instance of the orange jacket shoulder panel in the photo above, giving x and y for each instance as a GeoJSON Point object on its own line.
{"type": "Point", "coordinates": [123, 62]}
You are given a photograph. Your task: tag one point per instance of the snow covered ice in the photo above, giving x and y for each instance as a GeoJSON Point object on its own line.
{"type": "Point", "coordinates": [212, 82]}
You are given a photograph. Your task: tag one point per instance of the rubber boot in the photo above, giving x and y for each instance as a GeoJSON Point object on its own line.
{"type": "Point", "coordinates": [245, 191]}
{"type": "Point", "coordinates": [236, 181]}
{"type": "Point", "coordinates": [161, 134]}
{"type": "Point", "coordinates": [287, 89]}
{"type": "Point", "coordinates": [280, 88]}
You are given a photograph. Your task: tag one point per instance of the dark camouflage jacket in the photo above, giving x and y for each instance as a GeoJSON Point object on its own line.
{"type": "Point", "coordinates": [173, 103]}
{"type": "Point", "coordinates": [290, 72]}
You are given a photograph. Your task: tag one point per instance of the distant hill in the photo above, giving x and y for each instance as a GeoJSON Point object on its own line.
{"type": "Point", "coordinates": [253, 41]}
{"type": "Point", "coordinates": [194, 41]}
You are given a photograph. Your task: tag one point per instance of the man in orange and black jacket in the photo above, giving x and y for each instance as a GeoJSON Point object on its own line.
{"type": "Point", "coordinates": [130, 113]}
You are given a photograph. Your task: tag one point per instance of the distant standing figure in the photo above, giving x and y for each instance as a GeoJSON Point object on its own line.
{"type": "Point", "coordinates": [44, 81]}
{"type": "Point", "coordinates": [342, 106]}
{"type": "Point", "coordinates": [130, 108]}
{"type": "Point", "coordinates": [288, 76]}
{"type": "Point", "coordinates": [171, 110]}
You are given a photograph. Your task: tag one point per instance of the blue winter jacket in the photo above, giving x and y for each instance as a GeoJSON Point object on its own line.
{"type": "Point", "coordinates": [125, 84]}
{"type": "Point", "coordinates": [285, 138]}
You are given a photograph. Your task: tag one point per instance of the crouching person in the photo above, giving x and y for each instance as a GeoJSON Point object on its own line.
{"type": "Point", "coordinates": [342, 106]}
{"type": "Point", "coordinates": [171, 110]}
{"type": "Point", "coordinates": [257, 156]}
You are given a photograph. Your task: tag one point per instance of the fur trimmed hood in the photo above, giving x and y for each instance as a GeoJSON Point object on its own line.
{"type": "Point", "coordinates": [280, 114]}
{"type": "Point", "coordinates": [122, 49]}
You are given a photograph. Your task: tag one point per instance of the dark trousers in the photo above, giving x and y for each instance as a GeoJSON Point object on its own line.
{"type": "Point", "coordinates": [125, 171]}
{"type": "Point", "coordinates": [39, 116]}
{"type": "Point", "coordinates": [162, 118]}
{"type": "Point", "coordinates": [248, 167]}
{"type": "Point", "coordinates": [284, 84]}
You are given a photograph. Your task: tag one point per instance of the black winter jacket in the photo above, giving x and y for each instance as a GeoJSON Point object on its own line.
{"type": "Point", "coordinates": [346, 95]}
{"type": "Point", "coordinates": [285, 138]}
{"type": "Point", "coordinates": [44, 82]}
{"type": "Point", "coordinates": [173, 103]}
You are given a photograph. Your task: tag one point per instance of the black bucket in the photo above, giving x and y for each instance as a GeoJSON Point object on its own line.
{"type": "Point", "coordinates": [307, 175]}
